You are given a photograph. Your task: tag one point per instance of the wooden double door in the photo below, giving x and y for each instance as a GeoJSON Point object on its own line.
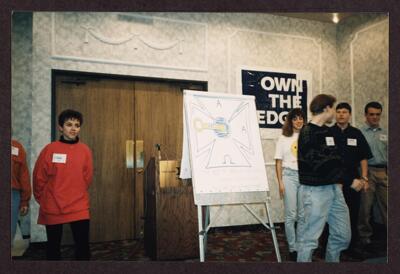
{"type": "Point", "coordinates": [114, 112]}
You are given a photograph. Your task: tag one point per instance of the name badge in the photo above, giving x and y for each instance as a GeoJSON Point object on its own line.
{"type": "Point", "coordinates": [383, 137]}
{"type": "Point", "coordinates": [330, 141]}
{"type": "Point", "coordinates": [14, 151]}
{"type": "Point", "coordinates": [351, 142]}
{"type": "Point", "coordinates": [59, 158]}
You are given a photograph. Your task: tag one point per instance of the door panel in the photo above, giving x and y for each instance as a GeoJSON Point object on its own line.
{"type": "Point", "coordinates": [108, 113]}
{"type": "Point", "coordinates": [158, 120]}
{"type": "Point", "coordinates": [115, 111]}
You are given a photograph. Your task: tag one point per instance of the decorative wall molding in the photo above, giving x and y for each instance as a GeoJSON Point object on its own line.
{"type": "Point", "coordinates": [117, 62]}
{"type": "Point", "coordinates": [112, 41]}
{"type": "Point", "coordinates": [355, 36]}
{"type": "Point", "coordinates": [229, 64]}
{"type": "Point", "coordinates": [106, 40]}
{"type": "Point", "coordinates": [316, 42]}
{"type": "Point", "coordinates": [119, 41]}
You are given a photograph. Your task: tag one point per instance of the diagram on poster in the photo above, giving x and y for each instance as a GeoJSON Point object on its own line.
{"type": "Point", "coordinates": [226, 141]}
{"type": "Point", "coordinates": [222, 137]}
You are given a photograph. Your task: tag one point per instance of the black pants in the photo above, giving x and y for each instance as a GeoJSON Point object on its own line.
{"type": "Point", "coordinates": [353, 199]}
{"type": "Point", "coordinates": [80, 233]}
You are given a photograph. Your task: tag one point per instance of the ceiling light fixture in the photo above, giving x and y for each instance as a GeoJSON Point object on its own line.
{"type": "Point", "coordinates": [335, 18]}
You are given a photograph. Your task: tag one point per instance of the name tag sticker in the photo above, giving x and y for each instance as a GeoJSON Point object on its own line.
{"type": "Point", "coordinates": [14, 151]}
{"type": "Point", "coordinates": [351, 142]}
{"type": "Point", "coordinates": [59, 158]}
{"type": "Point", "coordinates": [330, 141]}
{"type": "Point", "coordinates": [383, 137]}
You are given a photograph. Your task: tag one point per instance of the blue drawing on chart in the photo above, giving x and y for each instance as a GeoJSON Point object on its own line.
{"type": "Point", "coordinates": [219, 126]}
{"type": "Point", "coordinates": [222, 132]}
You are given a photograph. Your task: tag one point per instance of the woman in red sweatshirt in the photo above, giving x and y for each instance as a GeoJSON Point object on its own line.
{"type": "Point", "coordinates": [20, 185]}
{"type": "Point", "coordinates": [61, 179]}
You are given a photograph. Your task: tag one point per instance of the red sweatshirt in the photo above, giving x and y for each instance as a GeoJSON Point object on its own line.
{"type": "Point", "coordinates": [61, 179]}
{"type": "Point", "coordinates": [20, 173]}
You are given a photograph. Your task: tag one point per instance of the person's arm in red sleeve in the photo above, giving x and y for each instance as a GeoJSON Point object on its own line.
{"type": "Point", "coordinates": [26, 190]}
{"type": "Point", "coordinates": [39, 176]}
{"type": "Point", "coordinates": [88, 169]}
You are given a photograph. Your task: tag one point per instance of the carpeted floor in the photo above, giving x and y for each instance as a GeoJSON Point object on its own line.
{"type": "Point", "coordinates": [233, 244]}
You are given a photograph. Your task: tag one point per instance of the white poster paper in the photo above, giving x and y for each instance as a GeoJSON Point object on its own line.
{"type": "Point", "coordinates": [223, 140]}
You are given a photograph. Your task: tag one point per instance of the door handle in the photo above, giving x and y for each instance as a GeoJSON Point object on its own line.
{"type": "Point", "coordinates": [129, 153]}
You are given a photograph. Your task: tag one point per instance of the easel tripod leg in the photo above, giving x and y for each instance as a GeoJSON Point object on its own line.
{"type": "Point", "coordinates": [271, 225]}
{"type": "Point", "coordinates": [201, 232]}
{"type": "Point", "coordinates": [206, 224]}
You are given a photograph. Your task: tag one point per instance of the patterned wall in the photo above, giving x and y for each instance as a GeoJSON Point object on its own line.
{"type": "Point", "coordinates": [21, 69]}
{"type": "Point", "coordinates": [189, 46]}
{"type": "Point", "coordinates": [363, 47]}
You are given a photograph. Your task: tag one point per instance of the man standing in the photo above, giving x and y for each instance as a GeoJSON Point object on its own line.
{"type": "Point", "coordinates": [355, 152]}
{"type": "Point", "coordinates": [320, 193]}
{"type": "Point", "coordinates": [377, 171]}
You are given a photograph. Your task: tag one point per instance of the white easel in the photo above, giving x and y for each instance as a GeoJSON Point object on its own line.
{"type": "Point", "coordinates": [205, 225]}
{"type": "Point", "coordinates": [224, 128]}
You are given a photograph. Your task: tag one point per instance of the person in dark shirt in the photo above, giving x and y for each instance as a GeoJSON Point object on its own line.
{"type": "Point", "coordinates": [355, 152]}
{"type": "Point", "coordinates": [320, 194]}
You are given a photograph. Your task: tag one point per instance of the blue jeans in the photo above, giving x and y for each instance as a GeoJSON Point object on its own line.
{"type": "Point", "coordinates": [290, 179]}
{"type": "Point", "coordinates": [24, 223]}
{"type": "Point", "coordinates": [322, 204]}
{"type": "Point", "coordinates": [15, 199]}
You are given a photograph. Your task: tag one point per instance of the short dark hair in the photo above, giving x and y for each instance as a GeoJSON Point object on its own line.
{"type": "Point", "coordinates": [372, 105]}
{"type": "Point", "coordinates": [287, 129]}
{"type": "Point", "coordinates": [320, 102]}
{"type": "Point", "coordinates": [344, 105]}
{"type": "Point", "coordinates": [69, 114]}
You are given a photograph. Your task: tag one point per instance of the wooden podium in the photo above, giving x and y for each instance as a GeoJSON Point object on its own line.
{"type": "Point", "coordinates": [171, 228]}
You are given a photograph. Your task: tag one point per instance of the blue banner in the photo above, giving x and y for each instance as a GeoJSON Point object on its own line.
{"type": "Point", "coordinates": [276, 94]}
